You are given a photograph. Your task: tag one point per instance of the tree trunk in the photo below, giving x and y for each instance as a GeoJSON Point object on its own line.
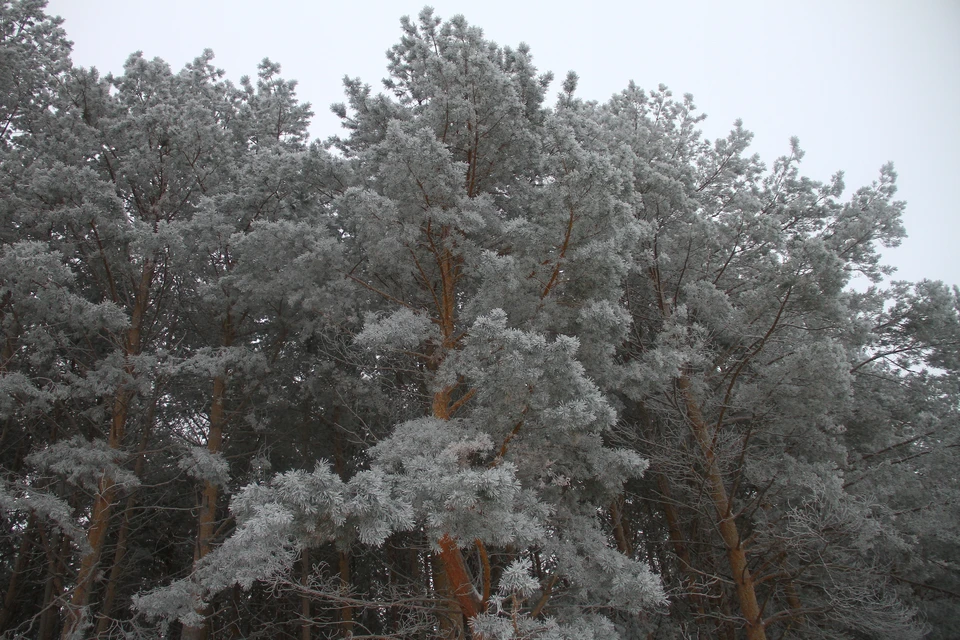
{"type": "Point", "coordinates": [207, 518]}
{"type": "Point", "coordinates": [110, 592]}
{"type": "Point", "coordinates": [678, 541]}
{"type": "Point", "coordinates": [56, 549]}
{"type": "Point", "coordinates": [346, 611]}
{"type": "Point", "coordinates": [451, 616]}
{"type": "Point", "coordinates": [116, 570]}
{"type": "Point", "coordinates": [99, 524]}
{"type": "Point", "coordinates": [736, 555]}
{"type": "Point", "coordinates": [680, 545]}
{"type": "Point", "coordinates": [455, 576]}
{"type": "Point", "coordinates": [619, 528]}
{"type": "Point", "coordinates": [211, 490]}
{"type": "Point", "coordinates": [107, 490]}
{"type": "Point", "coordinates": [10, 599]}
{"type": "Point", "coordinates": [456, 573]}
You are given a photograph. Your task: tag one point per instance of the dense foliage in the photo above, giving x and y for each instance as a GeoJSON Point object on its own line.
{"type": "Point", "coordinates": [480, 368]}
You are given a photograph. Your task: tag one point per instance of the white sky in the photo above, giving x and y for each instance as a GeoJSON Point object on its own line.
{"type": "Point", "coordinates": [860, 82]}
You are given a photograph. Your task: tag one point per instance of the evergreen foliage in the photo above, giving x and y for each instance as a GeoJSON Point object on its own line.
{"type": "Point", "coordinates": [482, 368]}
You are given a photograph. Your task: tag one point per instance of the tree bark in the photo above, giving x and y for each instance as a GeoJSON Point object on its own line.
{"type": "Point", "coordinates": [116, 569]}
{"type": "Point", "coordinates": [207, 518]}
{"type": "Point", "coordinates": [619, 528]}
{"type": "Point", "coordinates": [736, 554]}
{"type": "Point", "coordinates": [456, 573]}
{"type": "Point", "coordinates": [456, 576]}
{"type": "Point", "coordinates": [107, 490]}
{"type": "Point", "coordinates": [346, 610]}
{"type": "Point", "coordinates": [56, 549]}
{"type": "Point", "coordinates": [99, 524]}
{"type": "Point", "coordinates": [450, 617]}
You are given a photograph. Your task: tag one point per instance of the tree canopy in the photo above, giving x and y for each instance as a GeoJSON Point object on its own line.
{"type": "Point", "coordinates": [485, 366]}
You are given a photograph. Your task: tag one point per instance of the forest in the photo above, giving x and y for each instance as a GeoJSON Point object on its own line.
{"type": "Point", "coordinates": [490, 365]}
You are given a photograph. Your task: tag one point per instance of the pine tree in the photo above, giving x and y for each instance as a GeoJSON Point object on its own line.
{"type": "Point", "coordinates": [447, 234]}
{"type": "Point", "coordinates": [737, 377]}
{"type": "Point", "coordinates": [481, 368]}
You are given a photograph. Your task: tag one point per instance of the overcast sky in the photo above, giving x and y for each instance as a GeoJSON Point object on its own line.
{"type": "Point", "coordinates": [860, 82]}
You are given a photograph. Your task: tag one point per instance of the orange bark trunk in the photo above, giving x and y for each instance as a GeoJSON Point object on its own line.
{"type": "Point", "coordinates": [107, 490]}
{"type": "Point", "coordinates": [456, 575]}
{"type": "Point", "coordinates": [118, 557]}
{"type": "Point", "coordinates": [736, 555]}
{"type": "Point", "coordinates": [99, 524]}
{"type": "Point", "coordinates": [207, 518]}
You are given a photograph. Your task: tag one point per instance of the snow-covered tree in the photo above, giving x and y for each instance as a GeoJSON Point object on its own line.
{"type": "Point", "coordinates": [484, 367]}
{"type": "Point", "coordinates": [483, 234]}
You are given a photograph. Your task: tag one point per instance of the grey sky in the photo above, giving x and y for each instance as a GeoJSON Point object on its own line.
{"type": "Point", "coordinates": [859, 82]}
